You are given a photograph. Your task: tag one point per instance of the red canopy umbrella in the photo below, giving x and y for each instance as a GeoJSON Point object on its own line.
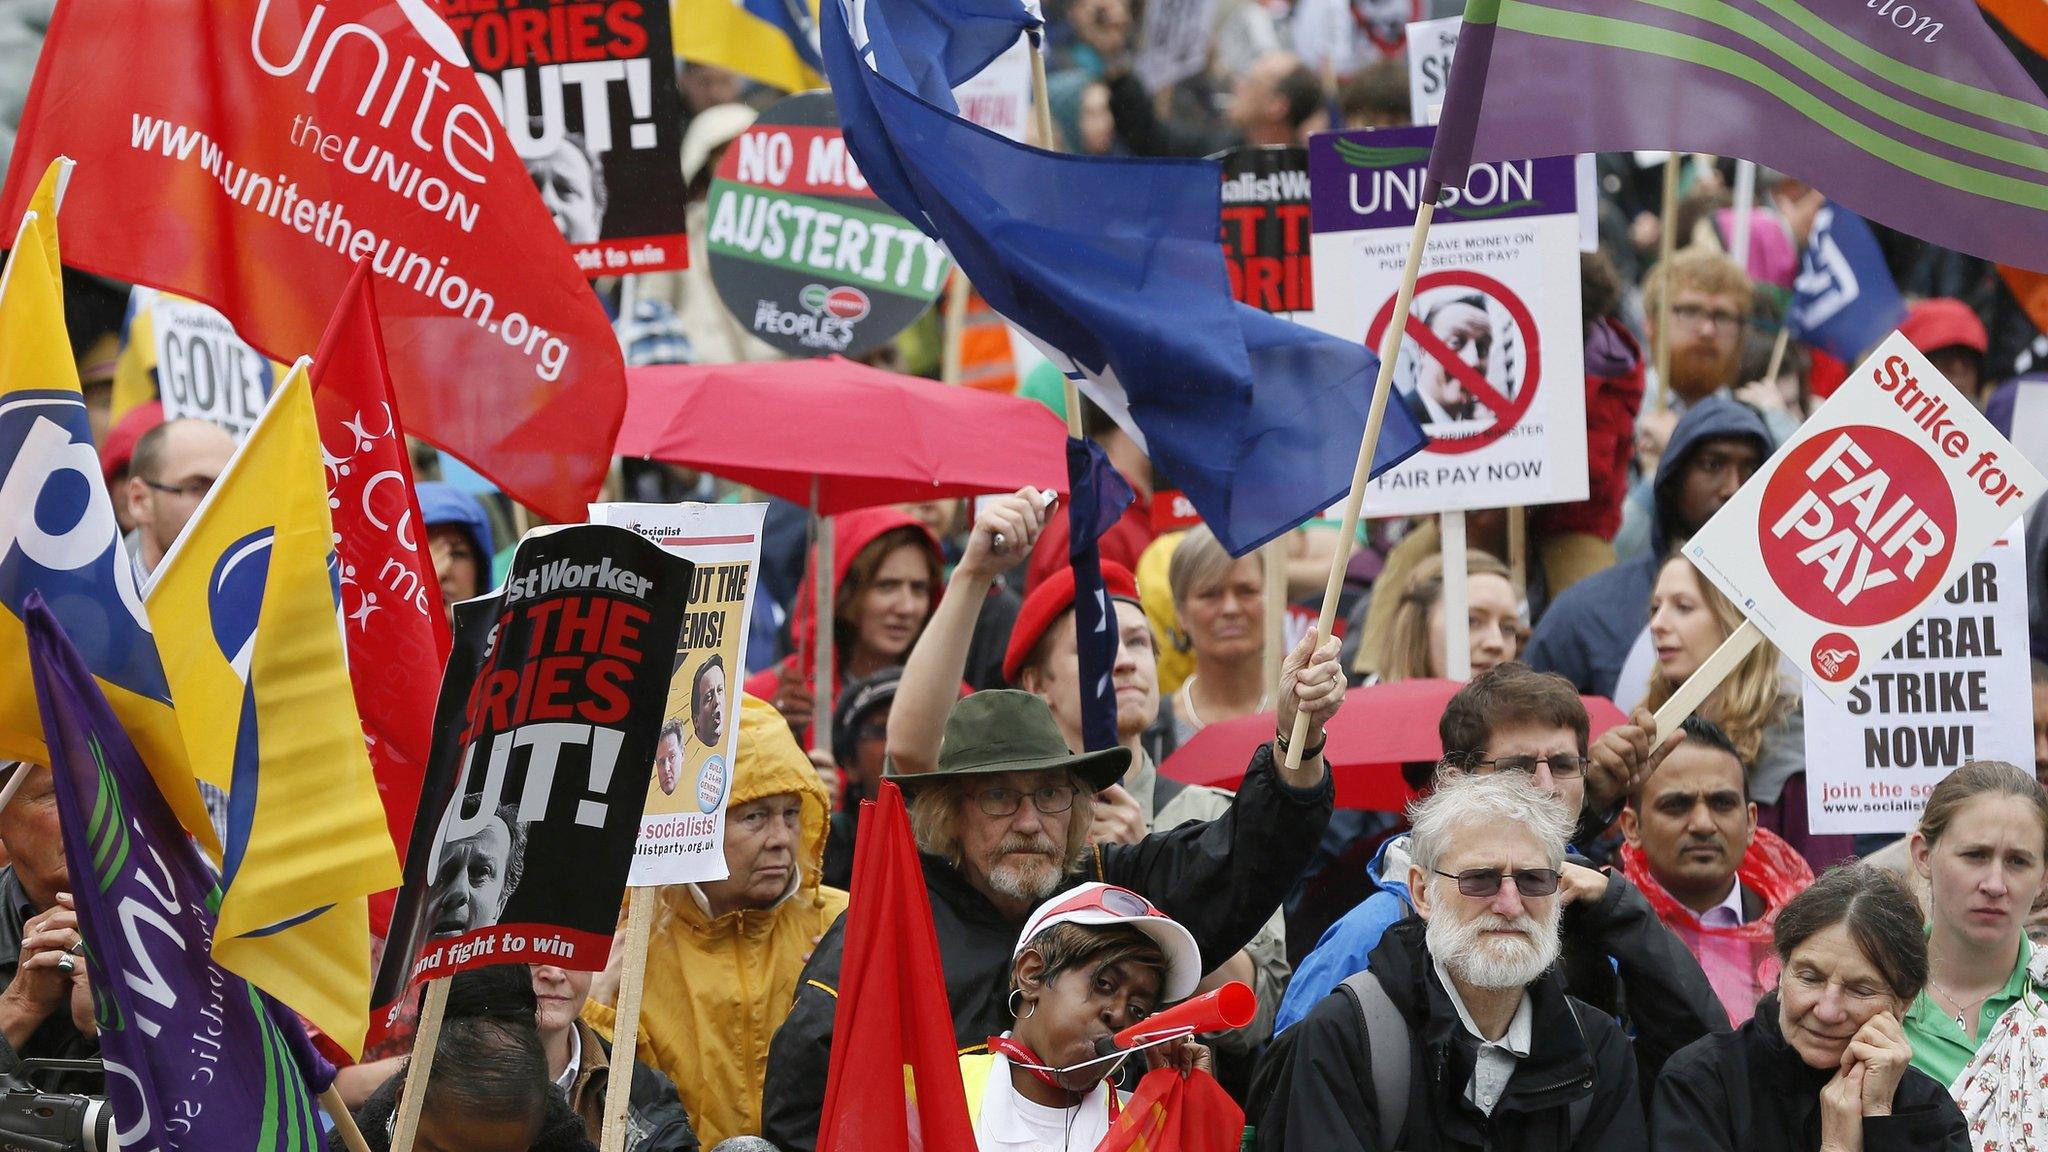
{"type": "Point", "coordinates": [1379, 728]}
{"type": "Point", "coordinates": [835, 435]}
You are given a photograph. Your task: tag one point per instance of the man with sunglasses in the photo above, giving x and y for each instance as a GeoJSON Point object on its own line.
{"type": "Point", "coordinates": [1002, 825]}
{"type": "Point", "coordinates": [1462, 1029]}
{"type": "Point", "coordinates": [1618, 956]}
{"type": "Point", "coordinates": [174, 466]}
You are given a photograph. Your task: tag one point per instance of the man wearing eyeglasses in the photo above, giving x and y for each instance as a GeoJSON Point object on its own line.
{"type": "Point", "coordinates": [1462, 1030]}
{"type": "Point", "coordinates": [174, 467]}
{"type": "Point", "coordinates": [1617, 955]}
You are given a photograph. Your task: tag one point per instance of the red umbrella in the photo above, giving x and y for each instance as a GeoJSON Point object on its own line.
{"type": "Point", "coordinates": [1379, 728]}
{"type": "Point", "coordinates": [835, 435]}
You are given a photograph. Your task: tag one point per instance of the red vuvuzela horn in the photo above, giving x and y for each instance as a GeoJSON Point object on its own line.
{"type": "Point", "coordinates": [1231, 1006]}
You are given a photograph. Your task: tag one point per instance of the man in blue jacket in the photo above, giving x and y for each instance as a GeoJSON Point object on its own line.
{"type": "Point", "coordinates": [1586, 634]}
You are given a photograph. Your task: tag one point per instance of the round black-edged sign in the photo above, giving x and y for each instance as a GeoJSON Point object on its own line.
{"type": "Point", "coordinates": [1472, 359]}
{"type": "Point", "coordinates": [803, 253]}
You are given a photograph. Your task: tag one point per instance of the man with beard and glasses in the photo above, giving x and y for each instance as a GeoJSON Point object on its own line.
{"type": "Point", "coordinates": [1002, 823]}
{"type": "Point", "coordinates": [1618, 957]}
{"type": "Point", "coordinates": [1462, 1036]}
{"type": "Point", "coordinates": [1711, 299]}
{"type": "Point", "coordinates": [1588, 632]}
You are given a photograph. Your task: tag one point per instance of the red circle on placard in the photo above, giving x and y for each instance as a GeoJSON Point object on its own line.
{"type": "Point", "coordinates": [1835, 657]}
{"type": "Point", "coordinates": [1504, 420]}
{"type": "Point", "coordinates": [1839, 514]}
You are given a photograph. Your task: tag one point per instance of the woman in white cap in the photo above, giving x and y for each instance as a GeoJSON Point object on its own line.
{"type": "Point", "coordinates": [1090, 962]}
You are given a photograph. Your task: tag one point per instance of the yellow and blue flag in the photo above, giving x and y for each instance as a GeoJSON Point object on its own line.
{"type": "Point", "coordinates": [769, 41]}
{"type": "Point", "coordinates": [245, 608]}
{"type": "Point", "coordinates": [58, 535]}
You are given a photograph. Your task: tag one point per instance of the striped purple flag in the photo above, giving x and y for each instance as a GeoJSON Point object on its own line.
{"type": "Point", "coordinates": [1913, 113]}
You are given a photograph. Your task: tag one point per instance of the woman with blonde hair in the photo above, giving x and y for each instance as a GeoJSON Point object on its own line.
{"type": "Point", "coordinates": [1414, 646]}
{"type": "Point", "coordinates": [1219, 605]}
{"type": "Point", "coordinates": [1755, 705]}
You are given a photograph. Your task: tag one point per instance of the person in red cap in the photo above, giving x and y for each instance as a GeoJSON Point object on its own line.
{"type": "Point", "coordinates": [1042, 659]}
{"type": "Point", "coordinates": [117, 452]}
{"type": "Point", "coordinates": [1953, 339]}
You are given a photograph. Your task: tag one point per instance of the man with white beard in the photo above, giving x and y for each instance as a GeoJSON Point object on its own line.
{"type": "Point", "coordinates": [1461, 1035]}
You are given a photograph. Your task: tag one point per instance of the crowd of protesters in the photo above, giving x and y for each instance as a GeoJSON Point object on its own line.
{"type": "Point", "coordinates": [1566, 941]}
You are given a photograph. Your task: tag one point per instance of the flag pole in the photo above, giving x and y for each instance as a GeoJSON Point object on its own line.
{"type": "Point", "coordinates": [626, 1033]}
{"type": "Point", "coordinates": [337, 1111]}
{"type": "Point", "coordinates": [956, 324]}
{"type": "Point", "coordinates": [405, 1127]}
{"type": "Point", "coordinates": [1778, 350]}
{"type": "Point", "coordinates": [1667, 243]}
{"type": "Point", "coordinates": [1361, 473]}
{"type": "Point", "coordinates": [1518, 549]}
{"type": "Point", "coordinates": [1705, 679]}
{"type": "Point", "coordinates": [822, 626]}
{"type": "Point", "coordinates": [1457, 618]}
{"type": "Point", "coordinates": [1041, 109]}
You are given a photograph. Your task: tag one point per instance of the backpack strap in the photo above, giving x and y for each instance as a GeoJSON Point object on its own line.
{"type": "Point", "coordinates": [1386, 1039]}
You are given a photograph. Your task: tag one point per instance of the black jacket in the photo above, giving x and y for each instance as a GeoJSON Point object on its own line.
{"type": "Point", "coordinates": [1323, 1097]}
{"type": "Point", "coordinates": [1221, 879]}
{"type": "Point", "coordinates": [56, 1037]}
{"type": "Point", "coordinates": [1620, 958]}
{"type": "Point", "coordinates": [1750, 1090]}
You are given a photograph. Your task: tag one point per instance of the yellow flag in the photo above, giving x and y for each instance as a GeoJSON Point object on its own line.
{"type": "Point", "coordinates": [722, 33]}
{"type": "Point", "coordinates": [57, 529]}
{"type": "Point", "coordinates": [245, 615]}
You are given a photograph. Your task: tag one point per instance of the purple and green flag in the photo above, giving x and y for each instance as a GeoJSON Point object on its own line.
{"type": "Point", "coordinates": [197, 1059]}
{"type": "Point", "coordinates": [1914, 114]}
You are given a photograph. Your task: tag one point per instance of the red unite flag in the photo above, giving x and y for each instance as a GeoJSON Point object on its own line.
{"type": "Point", "coordinates": [251, 153]}
{"type": "Point", "coordinates": [391, 609]}
{"type": "Point", "coordinates": [895, 1078]}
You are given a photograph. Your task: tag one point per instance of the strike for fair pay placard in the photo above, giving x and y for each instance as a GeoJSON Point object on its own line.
{"type": "Point", "coordinates": [682, 830]}
{"type": "Point", "coordinates": [1954, 689]}
{"type": "Point", "coordinates": [1882, 500]}
{"type": "Point", "coordinates": [1492, 364]}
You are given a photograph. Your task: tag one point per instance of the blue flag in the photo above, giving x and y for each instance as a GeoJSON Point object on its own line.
{"type": "Point", "coordinates": [1097, 496]}
{"type": "Point", "coordinates": [1112, 266]}
{"type": "Point", "coordinates": [1844, 301]}
{"type": "Point", "coordinates": [197, 1059]}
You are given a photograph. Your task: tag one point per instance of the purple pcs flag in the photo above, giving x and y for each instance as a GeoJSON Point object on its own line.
{"type": "Point", "coordinates": [1844, 301]}
{"type": "Point", "coordinates": [1113, 267]}
{"type": "Point", "coordinates": [1915, 115]}
{"type": "Point", "coordinates": [197, 1059]}
{"type": "Point", "coordinates": [1097, 496]}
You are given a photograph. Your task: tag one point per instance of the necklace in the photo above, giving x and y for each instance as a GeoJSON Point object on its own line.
{"type": "Point", "coordinates": [1961, 1007]}
{"type": "Point", "coordinates": [1187, 702]}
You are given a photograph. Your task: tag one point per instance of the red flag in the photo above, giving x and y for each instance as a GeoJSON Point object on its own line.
{"type": "Point", "coordinates": [1174, 1113]}
{"type": "Point", "coordinates": [895, 1079]}
{"type": "Point", "coordinates": [390, 601]}
{"type": "Point", "coordinates": [250, 153]}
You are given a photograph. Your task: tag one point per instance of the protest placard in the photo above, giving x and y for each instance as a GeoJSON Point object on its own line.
{"type": "Point", "coordinates": [999, 96]}
{"type": "Point", "coordinates": [1883, 499]}
{"type": "Point", "coordinates": [543, 744]}
{"type": "Point", "coordinates": [1265, 228]}
{"type": "Point", "coordinates": [1955, 688]}
{"type": "Point", "coordinates": [1173, 42]}
{"type": "Point", "coordinates": [1431, 46]}
{"type": "Point", "coordinates": [682, 830]}
{"type": "Point", "coordinates": [1492, 363]}
{"type": "Point", "coordinates": [803, 253]}
{"type": "Point", "coordinates": [203, 369]}
{"type": "Point", "coordinates": [586, 91]}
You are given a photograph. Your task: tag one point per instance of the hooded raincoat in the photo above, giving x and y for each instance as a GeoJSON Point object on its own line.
{"type": "Point", "coordinates": [718, 987]}
{"type": "Point", "coordinates": [1588, 630]}
{"type": "Point", "coordinates": [851, 532]}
